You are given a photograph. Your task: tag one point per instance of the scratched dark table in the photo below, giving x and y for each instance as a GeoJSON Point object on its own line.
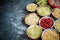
{"type": "Point", "coordinates": [12, 26]}
{"type": "Point", "coordinates": [12, 13]}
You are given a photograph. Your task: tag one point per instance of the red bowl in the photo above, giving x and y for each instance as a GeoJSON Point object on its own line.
{"type": "Point", "coordinates": [53, 6]}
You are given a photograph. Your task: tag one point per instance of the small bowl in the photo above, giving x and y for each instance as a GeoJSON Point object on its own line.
{"type": "Point", "coordinates": [48, 30]}
{"type": "Point", "coordinates": [53, 11]}
{"type": "Point", "coordinates": [44, 6]}
{"type": "Point", "coordinates": [46, 17]}
{"type": "Point", "coordinates": [54, 25]}
{"type": "Point", "coordinates": [53, 6]}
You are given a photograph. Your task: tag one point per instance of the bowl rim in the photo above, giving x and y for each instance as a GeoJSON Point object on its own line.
{"type": "Point", "coordinates": [31, 26]}
{"type": "Point", "coordinates": [46, 17]}
{"type": "Point", "coordinates": [53, 5]}
{"type": "Point", "coordinates": [44, 6]}
{"type": "Point", "coordinates": [55, 23]}
{"type": "Point", "coordinates": [53, 10]}
{"type": "Point", "coordinates": [48, 30]}
{"type": "Point", "coordinates": [29, 5]}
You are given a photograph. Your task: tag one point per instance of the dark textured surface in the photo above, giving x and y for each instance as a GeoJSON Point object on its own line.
{"type": "Point", "coordinates": [12, 13]}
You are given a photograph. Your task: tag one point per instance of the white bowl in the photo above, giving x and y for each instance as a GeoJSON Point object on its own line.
{"type": "Point", "coordinates": [46, 17]}
{"type": "Point", "coordinates": [54, 24]}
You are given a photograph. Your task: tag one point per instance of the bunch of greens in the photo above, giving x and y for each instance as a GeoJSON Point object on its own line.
{"type": "Point", "coordinates": [41, 2]}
